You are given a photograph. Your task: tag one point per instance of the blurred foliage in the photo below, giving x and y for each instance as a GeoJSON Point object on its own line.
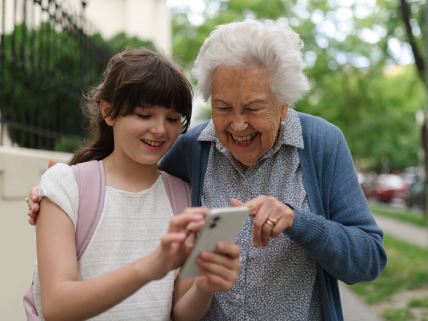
{"type": "Point", "coordinates": [47, 70]}
{"type": "Point", "coordinates": [122, 41]}
{"type": "Point", "coordinates": [68, 144]}
{"type": "Point", "coordinates": [351, 64]}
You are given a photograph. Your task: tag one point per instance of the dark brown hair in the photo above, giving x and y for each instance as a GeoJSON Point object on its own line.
{"type": "Point", "coordinates": [133, 78]}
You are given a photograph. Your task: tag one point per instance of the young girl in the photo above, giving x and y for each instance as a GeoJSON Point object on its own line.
{"type": "Point", "coordinates": [127, 271]}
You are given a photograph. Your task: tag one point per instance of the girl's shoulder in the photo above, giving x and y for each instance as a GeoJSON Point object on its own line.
{"type": "Point", "coordinates": [59, 185]}
{"type": "Point", "coordinates": [58, 172]}
{"type": "Point", "coordinates": [58, 168]}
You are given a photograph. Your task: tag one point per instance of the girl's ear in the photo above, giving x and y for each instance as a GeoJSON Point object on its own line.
{"type": "Point", "coordinates": [105, 107]}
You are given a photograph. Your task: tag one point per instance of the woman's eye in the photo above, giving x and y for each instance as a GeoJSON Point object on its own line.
{"type": "Point", "coordinates": [223, 108]}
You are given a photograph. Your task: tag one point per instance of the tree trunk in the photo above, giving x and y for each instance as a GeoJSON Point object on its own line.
{"type": "Point", "coordinates": [420, 64]}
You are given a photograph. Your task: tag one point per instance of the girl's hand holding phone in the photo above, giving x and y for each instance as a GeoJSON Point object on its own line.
{"type": "Point", "coordinates": [177, 243]}
{"type": "Point", "coordinates": [219, 268]}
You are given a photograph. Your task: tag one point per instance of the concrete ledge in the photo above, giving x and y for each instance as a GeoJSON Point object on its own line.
{"type": "Point", "coordinates": [21, 168]}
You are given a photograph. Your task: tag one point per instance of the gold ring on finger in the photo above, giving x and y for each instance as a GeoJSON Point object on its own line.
{"type": "Point", "coordinates": [271, 222]}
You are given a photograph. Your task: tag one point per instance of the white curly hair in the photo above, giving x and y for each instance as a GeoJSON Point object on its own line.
{"type": "Point", "coordinates": [271, 44]}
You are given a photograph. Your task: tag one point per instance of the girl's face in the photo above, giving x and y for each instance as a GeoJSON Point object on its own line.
{"type": "Point", "coordinates": [145, 135]}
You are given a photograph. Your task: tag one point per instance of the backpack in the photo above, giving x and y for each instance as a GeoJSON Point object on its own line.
{"type": "Point", "coordinates": [90, 180]}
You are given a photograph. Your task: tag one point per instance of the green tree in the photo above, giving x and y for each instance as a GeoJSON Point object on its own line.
{"type": "Point", "coordinates": [348, 50]}
{"type": "Point", "coordinates": [42, 82]}
{"type": "Point", "coordinates": [46, 72]}
{"type": "Point", "coordinates": [122, 41]}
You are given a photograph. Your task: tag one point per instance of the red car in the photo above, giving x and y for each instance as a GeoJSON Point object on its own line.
{"type": "Point", "coordinates": [389, 186]}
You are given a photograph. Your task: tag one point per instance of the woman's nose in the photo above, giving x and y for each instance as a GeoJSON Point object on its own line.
{"type": "Point", "coordinates": [239, 123]}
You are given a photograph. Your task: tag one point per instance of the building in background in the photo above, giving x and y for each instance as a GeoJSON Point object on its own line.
{"type": "Point", "coordinates": [144, 19]}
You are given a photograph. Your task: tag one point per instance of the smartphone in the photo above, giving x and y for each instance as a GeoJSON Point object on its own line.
{"type": "Point", "coordinates": [221, 224]}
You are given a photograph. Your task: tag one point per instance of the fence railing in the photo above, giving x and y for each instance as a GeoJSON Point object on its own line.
{"type": "Point", "coordinates": [49, 55]}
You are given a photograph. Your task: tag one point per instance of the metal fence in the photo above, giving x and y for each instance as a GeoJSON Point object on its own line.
{"type": "Point", "coordinates": [49, 54]}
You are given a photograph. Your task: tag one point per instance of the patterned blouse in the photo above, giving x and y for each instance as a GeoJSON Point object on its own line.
{"type": "Point", "coordinates": [278, 282]}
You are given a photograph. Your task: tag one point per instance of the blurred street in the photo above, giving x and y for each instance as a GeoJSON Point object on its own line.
{"type": "Point", "coordinates": [404, 231]}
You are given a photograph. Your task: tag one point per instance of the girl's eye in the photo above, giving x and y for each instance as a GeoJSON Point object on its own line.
{"type": "Point", "coordinates": [174, 119]}
{"type": "Point", "coordinates": [143, 116]}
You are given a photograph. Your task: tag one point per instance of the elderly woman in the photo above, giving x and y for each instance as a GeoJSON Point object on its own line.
{"type": "Point", "coordinates": [311, 224]}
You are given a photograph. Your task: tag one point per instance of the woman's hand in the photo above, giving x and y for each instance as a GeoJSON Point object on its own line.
{"type": "Point", "coordinates": [33, 200]}
{"type": "Point", "coordinates": [33, 203]}
{"type": "Point", "coordinates": [219, 268]}
{"type": "Point", "coordinates": [270, 216]}
{"type": "Point", "coordinates": [176, 244]}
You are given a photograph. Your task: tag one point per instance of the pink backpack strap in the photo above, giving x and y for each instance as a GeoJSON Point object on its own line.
{"type": "Point", "coordinates": [178, 192]}
{"type": "Point", "coordinates": [90, 178]}
{"type": "Point", "coordinates": [30, 305]}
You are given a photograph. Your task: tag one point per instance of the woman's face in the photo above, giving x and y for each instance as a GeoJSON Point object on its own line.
{"type": "Point", "coordinates": [245, 113]}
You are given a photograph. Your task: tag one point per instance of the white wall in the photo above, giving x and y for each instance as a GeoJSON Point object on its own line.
{"type": "Point", "coordinates": [20, 169]}
{"type": "Point", "coordinates": [145, 19]}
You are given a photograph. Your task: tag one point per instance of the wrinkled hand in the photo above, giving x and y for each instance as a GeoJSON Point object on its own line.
{"type": "Point", "coordinates": [33, 204]}
{"type": "Point", "coordinates": [33, 201]}
{"type": "Point", "coordinates": [270, 216]}
{"type": "Point", "coordinates": [177, 243]}
{"type": "Point", "coordinates": [219, 268]}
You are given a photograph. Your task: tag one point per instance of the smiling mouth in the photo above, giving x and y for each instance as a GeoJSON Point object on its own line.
{"type": "Point", "coordinates": [243, 140]}
{"type": "Point", "coordinates": [152, 143]}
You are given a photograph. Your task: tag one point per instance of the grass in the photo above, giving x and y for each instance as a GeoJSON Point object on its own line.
{"type": "Point", "coordinates": [407, 269]}
{"type": "Point", "coordinates": [402, 314]}
{"type": "Point", "coordinates": [413, 218]}
{"type": "Point", "coordinates": [415, 310]}
{"type": "Point", "coordinates": [419, 303]}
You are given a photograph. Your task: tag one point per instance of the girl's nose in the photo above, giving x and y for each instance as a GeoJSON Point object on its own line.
{"type": "Point", "coordinates": [159, 127]}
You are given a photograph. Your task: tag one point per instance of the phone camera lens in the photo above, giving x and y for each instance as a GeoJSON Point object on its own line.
{"type": "Point", "coordinates": [216, 219]}
{"type": "Point", "coordinates": [212, 225]}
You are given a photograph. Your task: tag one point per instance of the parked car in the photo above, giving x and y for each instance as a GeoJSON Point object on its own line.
{"type": "Point", "coordinates": [390, 186]}
{"type": "Point", "coordinates": [368, 184]}
{"type": "Point", "coordinates": [415, 197]}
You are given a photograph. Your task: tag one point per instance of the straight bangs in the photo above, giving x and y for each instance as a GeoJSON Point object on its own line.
{"type": "Point", "coordinates": [162, 85]}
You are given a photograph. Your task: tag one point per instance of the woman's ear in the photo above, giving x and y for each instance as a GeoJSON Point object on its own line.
{"type": "Point", "coordinates": [284, 111]}
{"type": "Point", "coordinates": [105, 107]}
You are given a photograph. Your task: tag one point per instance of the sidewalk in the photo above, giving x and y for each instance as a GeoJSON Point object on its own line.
{"type": "Point", "coordinates": [354, 309]}
{"type": "Point", "coordinates": [404, 231]}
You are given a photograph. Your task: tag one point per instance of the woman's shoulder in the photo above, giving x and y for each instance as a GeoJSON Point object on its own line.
{"type": "Point", "coordinates": [317, 128]}
{"type": "Point", "coordinates": [194, 131]}
{"type": "Point", "coordinates": [311, 123]}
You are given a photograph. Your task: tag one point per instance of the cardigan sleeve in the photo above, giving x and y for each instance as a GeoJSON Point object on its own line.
{"type": "Point", "coordinates": [174, 162]}
{"type": "Point", "coordinates": [344, 240]}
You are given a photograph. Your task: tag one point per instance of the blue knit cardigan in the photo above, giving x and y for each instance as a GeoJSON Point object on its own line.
{"type": "Point", "coordinates": [339, 233]}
